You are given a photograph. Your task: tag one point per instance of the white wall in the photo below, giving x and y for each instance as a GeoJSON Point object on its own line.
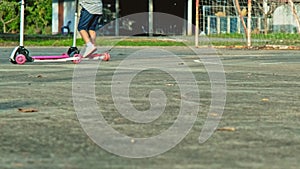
{"type": "Point", "coordinates": [283, 19]}
{"type": "Point", "coordinates": [69, 15]}
{"type": "Point", "coordinates": [55, 17]}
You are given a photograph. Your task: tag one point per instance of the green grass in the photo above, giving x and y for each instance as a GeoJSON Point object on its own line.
{"type": "Point", "coordinates": [102, 41]}
{"type": "Point", "coordinates": [38, 40]}
{"type": "Point", "coordinates": [214, 39]}
{"type": "Point", "coordinates": [256, 39]}
{"type": "Point", "coordinates": [271, 36]}
{"type": "Point", "coordinates": [61, 42]}
{"type": "Point", "coordinates": [148, 42]}
{"type": "Point", "coordinates": [226, 35]}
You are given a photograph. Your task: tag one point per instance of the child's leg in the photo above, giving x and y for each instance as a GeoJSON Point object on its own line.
{"type": "Point", "coordinates": [85, 36]}
{"type": "Point", "coordinates": [83, 24]}
{"type": "Point", "coordinates": [85, 21]}
{"type": "Point", "coordinates": [92, 28]}
{"type": "Point", "coordinates": [93, 36]}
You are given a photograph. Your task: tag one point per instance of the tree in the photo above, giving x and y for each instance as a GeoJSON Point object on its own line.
{"type": "Point", "coordinates": [294, 11]}
{"type": "Point", "coordinates": [38, 16]}
{"type": "Point", "coordinates": [241, 13]}
{"type": "Point", "coordinates": [267, 8]}
{"type": "Point", "coordinates": [9, 16]}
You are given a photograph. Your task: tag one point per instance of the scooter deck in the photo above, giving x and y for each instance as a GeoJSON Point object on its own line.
{"type": "Point", "coordinates": [63, 56]}
{"type": "Point", "coordinates": [99, 56]}
{"type": "Point", "coordinates": [77, 58]}
{"type": "Point", "coordinates": [74, 59]}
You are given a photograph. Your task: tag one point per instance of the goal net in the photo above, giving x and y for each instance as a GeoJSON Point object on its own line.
{"type": "Point", "coordinates": [250, 22]}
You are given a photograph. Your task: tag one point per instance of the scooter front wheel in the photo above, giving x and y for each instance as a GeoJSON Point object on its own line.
{"type": "Point", "coordinates": [20, 59]}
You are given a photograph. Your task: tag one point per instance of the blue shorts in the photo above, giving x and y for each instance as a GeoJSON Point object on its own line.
{"type": "Point", "coordinates": [87, 21]}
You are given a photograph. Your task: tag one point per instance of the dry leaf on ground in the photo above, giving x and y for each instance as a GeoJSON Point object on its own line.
{"type": "Point", "coordinates": [27, 110]}
{"type": "Point", "coordinates": [226, 129]}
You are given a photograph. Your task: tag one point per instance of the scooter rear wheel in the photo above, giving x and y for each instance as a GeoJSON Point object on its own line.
{"type": "Point", "coordinates": [77, 58]}
{"type": "Point", "coordinates": [20, 59]}
{"type": "Point", "coordinates": [106, 57]}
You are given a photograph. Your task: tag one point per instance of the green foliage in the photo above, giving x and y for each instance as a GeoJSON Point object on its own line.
{"type": "Point", "coordinates": [38, 16]}
{"type": "Point", "coordinates": [9, 16]}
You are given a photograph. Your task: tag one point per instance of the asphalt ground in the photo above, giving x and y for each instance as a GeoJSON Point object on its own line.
{"type": "Point", "coordinates": [40, 124]}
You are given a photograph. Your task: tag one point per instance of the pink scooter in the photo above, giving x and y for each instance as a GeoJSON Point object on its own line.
{"type": "Point", "coordinates": [20, 54]}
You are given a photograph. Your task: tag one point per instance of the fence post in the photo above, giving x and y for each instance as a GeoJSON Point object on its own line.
{"type": "Point", "coordinates": [259, 23]}
{"type": "Point", "coordinates": [249, 24]}
{"type": "Point", "coordinates": [197, 24]}
{"type": "Point", "coordinates": [228, 24]}
{"type": "Point", "coordinates": [208, 25]}
{"type": "Point", "coordinates": [218, 25]}
{"type": "Point", "coordinates": [238, 25]}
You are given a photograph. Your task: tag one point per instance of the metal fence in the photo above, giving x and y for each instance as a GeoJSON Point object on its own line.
{"type": "Point", "coordinates": [278, 28]}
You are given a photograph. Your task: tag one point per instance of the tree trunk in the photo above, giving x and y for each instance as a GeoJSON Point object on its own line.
{"type": "Point", "coordinates": [3, 25]}
{"type": "Point", "coordinates": [241, 17]}
{"type": "Point", "coordinates": [266, 26]}
{"type": "Point", "coordinates": [295, 15]}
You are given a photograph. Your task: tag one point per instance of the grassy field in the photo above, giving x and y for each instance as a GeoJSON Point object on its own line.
{"type": "Point", "coordinates": [257, 40]}
{"type": "Point", "coordinates": [259, 128]}
{"type": "Point", "coordinates": [61, 40]}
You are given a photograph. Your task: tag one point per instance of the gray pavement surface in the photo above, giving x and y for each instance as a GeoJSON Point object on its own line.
{"type": "Point", "coordinates": [39, 127]}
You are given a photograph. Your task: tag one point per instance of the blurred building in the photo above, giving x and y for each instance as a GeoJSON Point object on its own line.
{"type": "Point", "coordinates": [132, 17]}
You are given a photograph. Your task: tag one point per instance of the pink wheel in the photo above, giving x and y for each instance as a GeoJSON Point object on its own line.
{"type": "Point", "coordinates": [77, 58]}
{"type": "Point", "coordinates": [106, 57]}
{"type": "Point", "coordinates": [20, 59]}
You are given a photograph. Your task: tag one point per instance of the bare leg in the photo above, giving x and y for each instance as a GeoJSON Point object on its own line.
{"type": "Point", "coordinates": [92, 36]}
{"type": "Point", "coordinates": [88, 39]}
{"type": "Point", "coordinates": [85, 36]}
